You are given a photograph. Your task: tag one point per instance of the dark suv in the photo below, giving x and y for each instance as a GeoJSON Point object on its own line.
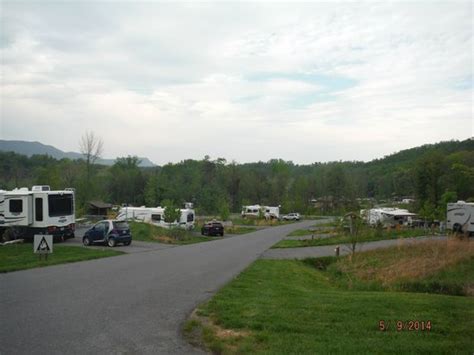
{"type": "Point", "coordinates": [213, 228]}
{"type": "Point", "coordinates": [108, 232]}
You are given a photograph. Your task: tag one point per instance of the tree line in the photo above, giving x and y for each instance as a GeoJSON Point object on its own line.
{"type": "Point", "coordinates": [432, 174]}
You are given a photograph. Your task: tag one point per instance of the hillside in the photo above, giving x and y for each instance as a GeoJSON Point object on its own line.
{"type": "Point", "coordinates": [32, 148]}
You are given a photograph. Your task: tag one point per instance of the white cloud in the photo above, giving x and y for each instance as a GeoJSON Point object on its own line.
{"type": "Point", "coordinates": [241, 81]}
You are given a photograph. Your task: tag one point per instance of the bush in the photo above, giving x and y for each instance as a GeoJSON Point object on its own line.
{"type": "Point", "coordinates": [320, 263]}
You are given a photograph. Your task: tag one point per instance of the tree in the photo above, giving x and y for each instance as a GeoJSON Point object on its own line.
{"type": "Point", "coordinates": [224, 209]}
{"type": "Point", "coordinates": [355, 230]}
{"type": "Point", "coordinates": [151, 190]}
{"type": "Point", "coordinates": [172, 212]}
{"type": "Point", "coordinates": [126, 182]}
{"type": "Point", "coordinates": [91, 146]}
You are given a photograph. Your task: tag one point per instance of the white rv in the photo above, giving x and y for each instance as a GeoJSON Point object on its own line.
{"type": "Point", "coordinates": [156, 216]}
{"type": "Point", "coordinates": [269, 212]}
{"type": "Point", "coordinates": [460, 217]}
{"type": "Point", "coordinates": [387, 216]}
{"type": "Point", "coordinates": [37, 211]}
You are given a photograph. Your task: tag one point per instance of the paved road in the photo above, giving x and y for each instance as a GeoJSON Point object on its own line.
{"type": "Point", "coordinates": [328, 250]}
{"type": "Point", "coordinates": [133, 303]}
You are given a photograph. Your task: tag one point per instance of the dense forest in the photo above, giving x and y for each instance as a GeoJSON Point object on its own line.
{"type": "Point", "coordinates": [431, 174]}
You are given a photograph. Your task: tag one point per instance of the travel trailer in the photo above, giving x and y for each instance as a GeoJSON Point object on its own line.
{"type": "Point", "coordinates": [269, 212]}
{"type": "Point", "coordinates": [156, 216]}
{"type": "Point", "coordinates": [387, 216]}
{"type": "Point", "coordinates": [37, 211]}
{"type": "Point", "coordinates": [460, 217]}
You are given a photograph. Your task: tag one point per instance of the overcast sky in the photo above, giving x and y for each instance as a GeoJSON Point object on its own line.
{"type": "Point", "coordinates": [304, 82]}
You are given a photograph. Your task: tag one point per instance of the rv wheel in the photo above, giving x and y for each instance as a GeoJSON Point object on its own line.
{"type": "Point", "coordinates": [457, 228]}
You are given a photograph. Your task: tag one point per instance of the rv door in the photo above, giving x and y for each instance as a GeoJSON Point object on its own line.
{"type": "Point", "coordinates": [18, 210]}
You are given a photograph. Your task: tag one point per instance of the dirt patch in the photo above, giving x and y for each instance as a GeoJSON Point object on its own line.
{"type": "Point", "coordinates": [202, 332]}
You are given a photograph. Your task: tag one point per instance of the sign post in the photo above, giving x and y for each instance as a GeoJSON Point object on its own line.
{"type": "Point", "coordinates": [43, 245]}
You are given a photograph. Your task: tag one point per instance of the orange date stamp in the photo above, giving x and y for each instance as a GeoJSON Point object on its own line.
{"type": "Point", "coordinates": [409, 325]}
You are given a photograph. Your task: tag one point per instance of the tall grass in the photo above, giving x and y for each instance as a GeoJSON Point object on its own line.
{"type": "Point", "coordinates": [430, 266]}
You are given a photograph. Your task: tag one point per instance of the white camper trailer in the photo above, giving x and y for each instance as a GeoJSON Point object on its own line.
{"type": "Point", "coordinates": [269, 212]}
{"type": "Point", "coordinates": [272, 212]}
{"type": "Point", "coordinates": [37, 211]}
{"type": "Point", "coordinates": [460, 217]}
{"type": "Point", "coordinates": [251, 211]}
{"type": "Point", "coordinates": [387, 216]}
{"type": "Point", "coordinates": [156, 216]}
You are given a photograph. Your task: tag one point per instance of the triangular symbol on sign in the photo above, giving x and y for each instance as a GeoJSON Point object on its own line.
{"type": "Point", "coordinates": [43, 245]}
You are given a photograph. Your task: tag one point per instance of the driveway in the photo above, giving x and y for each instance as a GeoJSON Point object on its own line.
{"type": "Point", "coordinates": [133, 303]}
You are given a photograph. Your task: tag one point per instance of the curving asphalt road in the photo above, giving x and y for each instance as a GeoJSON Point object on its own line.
{"type": "Point", "coordinates": [134, 303]}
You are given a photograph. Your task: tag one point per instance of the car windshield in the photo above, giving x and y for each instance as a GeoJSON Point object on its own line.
{"type": "Point", "coordinates": [121, 225]}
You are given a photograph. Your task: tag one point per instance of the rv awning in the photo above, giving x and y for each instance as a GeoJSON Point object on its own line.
{"type": "Point", "coordinates": [398, 213]}
{"type": "Point", "coordinates": [100, 204]}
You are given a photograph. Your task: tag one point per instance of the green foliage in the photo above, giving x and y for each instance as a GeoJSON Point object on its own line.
{"type": "Point", "coordinates": [149, 233]}
{"type": "Point", "coordinates": [172, 212]}
{"type": "Point", "coordinates": [425, 172]}
{"type": "Point", "coordinates": [224, 211]}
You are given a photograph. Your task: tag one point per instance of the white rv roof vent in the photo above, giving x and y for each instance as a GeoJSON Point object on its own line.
{"type": "Point", "coordinates": [41, 188]}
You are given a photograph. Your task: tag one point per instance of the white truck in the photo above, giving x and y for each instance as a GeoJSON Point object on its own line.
{"type": "Point", "coordinates": [460, 217]}
{"type": "Point", "coordinates": [156, 216]}
{"type": "Point", "coordinates": [26, 212]}
{"type": "Point", "coordinates": [268, 212]}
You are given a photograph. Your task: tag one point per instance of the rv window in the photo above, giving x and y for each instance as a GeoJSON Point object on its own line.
{"type": "Point", "coordinates": [60, 205]}
{"type": "Point", "coordinates": [38, 209]}
{"type": "Point", "coordinates": [16, 206]}
{"type": "Point", "coordinates": [190, 217]}
{"type": "Point", "coordinates": [156, 217]}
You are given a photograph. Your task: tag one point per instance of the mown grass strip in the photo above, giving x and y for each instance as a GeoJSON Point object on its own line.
{"type": "Point", "coordinates": [20, 256]}
{"type": "Point", "coordinates": [346, 239]}
{"type": "Point", "coordinates": [283, 306]}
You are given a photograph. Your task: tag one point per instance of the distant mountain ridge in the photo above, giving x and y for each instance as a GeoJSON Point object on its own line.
{"type": "Point", "coordinates": [32, 148]}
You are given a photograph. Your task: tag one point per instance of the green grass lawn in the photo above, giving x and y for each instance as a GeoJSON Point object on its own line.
{"type": "Point", "coordinates": [345, 239]}
{"type": "Point", "coordinates": [150, 233]}
{"type": "Point", "coordinates": [20, 256]}
{"type": "Point", "coordinates": [258, 222]}
{"type": "Point", "coordinates": [290, 307]}
{"type": "Point", "coordinates": [311, 230]}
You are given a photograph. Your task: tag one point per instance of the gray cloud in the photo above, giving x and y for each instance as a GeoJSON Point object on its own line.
{"type": "Point", "coordinates": [243, 81]}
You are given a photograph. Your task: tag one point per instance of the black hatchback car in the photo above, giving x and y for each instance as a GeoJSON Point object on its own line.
{"type": "Point", "coordinates": [108, 232]}
{"type": "Point", "coordinates": [213, 228]}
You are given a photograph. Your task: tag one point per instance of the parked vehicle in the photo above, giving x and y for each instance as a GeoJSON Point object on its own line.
{"type": "Point", "coordinates": [110, 232]}
{"type": "Point", "coordinates": [255, 211]}
{"type": "Point", "coordinates": [460, 217]}
{"type": "Point", "coordinates": [387, 216]}
{"type": "Point", "coordinates": [291, 217]}
{"type": "Point", "coordinates": [213, 228]}
{"type": "Point", "coordinates": [156, 216]}
{"type": "Point", "coordinates": [37, 211]}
